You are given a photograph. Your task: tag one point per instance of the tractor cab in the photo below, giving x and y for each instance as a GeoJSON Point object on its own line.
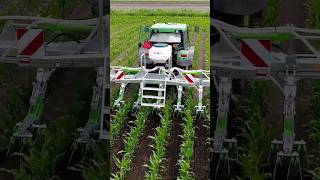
{"type": "Point", "coordinates": [165, 44]}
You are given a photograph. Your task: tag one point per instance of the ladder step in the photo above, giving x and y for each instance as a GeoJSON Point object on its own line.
{"type": "Point", "coordinates": [152, 105]}
{"type": "Point", "coordinates": [153, 89]}
{"type": "Point", "coordinates": [153, 97]}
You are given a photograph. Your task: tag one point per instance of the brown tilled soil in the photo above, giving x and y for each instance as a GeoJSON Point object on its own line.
{"type": "Point", "coordinates": [143, 150]}
{"type": "Point", "coordinates": [200, 161]}
{"type": "Point", "coordinates": [170, 170]}
{"type": "Point", "coordinates": [117, 146]}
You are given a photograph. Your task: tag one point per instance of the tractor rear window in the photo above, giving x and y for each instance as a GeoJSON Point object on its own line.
{"type": "Point", "coordinates": [166, 37]}
{"type": "Point", "coordinates": [160, 45]}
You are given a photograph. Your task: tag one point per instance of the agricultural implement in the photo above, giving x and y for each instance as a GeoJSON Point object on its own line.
{"type": "Point", "coordinates": [257, 53]}
{"type": "Point", "coordinates": [165, 55]}
{"type": "Point", "coordinates": [47, 44]}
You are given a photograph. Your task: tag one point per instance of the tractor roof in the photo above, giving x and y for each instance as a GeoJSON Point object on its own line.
{"type": "Point", "coordinates": [169, 27]}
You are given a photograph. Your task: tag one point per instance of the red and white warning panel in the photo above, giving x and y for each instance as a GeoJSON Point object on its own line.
{"type": "Point", "coordinates": [258, 53]}
{"type": "Point", "coordinates": [119, 74]}
{"type": "Point", "coordinates": [30, 42]}
{"type": "Point", "coordinates": [190, 78]}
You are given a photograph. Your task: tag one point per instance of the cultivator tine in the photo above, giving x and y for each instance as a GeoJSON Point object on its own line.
{"type": "Point", "coordinates": [299, 166]}
{"type": "Point", "coordinates": [217, 169]}
{"type": "Point", "coordinates": [275, 167]}
{"type": "Point", "coordinates": [74, 148]}
{"type": "Point", "coordinates": [87, 147]}
{"type": "Point", "coordinates": [223, 155]}
{"type": "Point", "coordinates": [12, 141]}
{"type": "Point", "coordinates": [227, 161]}
{"type": "Point", "coordinates": [24, 141]}
{"type": "Point", "coordinates": [289, 168]}
{"type": "Point", "coordinates": [233, 145]}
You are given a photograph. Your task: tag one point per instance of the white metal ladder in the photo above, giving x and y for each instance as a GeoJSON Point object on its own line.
{"type": "Point", "coordinates": [147, 94]}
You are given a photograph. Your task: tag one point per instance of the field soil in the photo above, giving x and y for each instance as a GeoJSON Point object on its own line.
{"type": "Point", "coordinates": [118, 145]}
{"type": "Point", "coordinates": [170, 170]}
{"type": "Point", "coordinates": [143, 150]}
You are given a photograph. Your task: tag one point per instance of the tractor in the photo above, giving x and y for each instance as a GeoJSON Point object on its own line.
{"type": "Point", "coordinates": [165, 55]}
{"type": "Point", "coordinates": [166, 44]}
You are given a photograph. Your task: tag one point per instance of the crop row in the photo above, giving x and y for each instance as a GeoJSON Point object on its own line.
{"type": "Point", "coordinates": [313, 126]}
{"type": "Point", "coordinates": [186, 148]}
{"type": "Point", "coordinates": [256, 137]}
{"type": "Point", "coordinates": [159, 142]}
{"type": "Point", "coordinates": [131, 141]}
{"type": "Point", "coordinates": [117, 121]}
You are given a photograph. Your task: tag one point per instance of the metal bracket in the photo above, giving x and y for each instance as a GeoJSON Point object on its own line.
{"type": "Point", "coordinates": [222, 118]}
{"type": "Point", "coordinates": [178, 106]}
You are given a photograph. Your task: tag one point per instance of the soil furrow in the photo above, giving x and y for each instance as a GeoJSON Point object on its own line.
{"type": "Point", "coordinates": [200, 163]}
{"type": "Point", "coordinates": [143, 150]}
{"type": "Point", "coordinates": [170, 164]}
{"type": "Point", "coordinates": [117, 146]}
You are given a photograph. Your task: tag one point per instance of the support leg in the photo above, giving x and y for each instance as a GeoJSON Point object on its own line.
{"type": "Point", "coordinates": [223, 111]}
{"type": "Point", "coordinates": [178, 106]}
{"type": "Point", "coordinates": [290, 89]}
{"type": "Point", "coordinates": [200, 107]}
{"type": "Point", "coordinates": [118, 102]}
{"type": "Point", "coordinates": [139, 100]}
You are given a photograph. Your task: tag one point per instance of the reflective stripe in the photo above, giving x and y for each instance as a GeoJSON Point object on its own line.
{"type": "Point", "coordinates": [189, 78]}
{"type": "Point", "coordinates": [30, 42]}
{"type": "Point", "coordinates": [257, 52]}
{"type": "Point", "coordinates": [119, 74]}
